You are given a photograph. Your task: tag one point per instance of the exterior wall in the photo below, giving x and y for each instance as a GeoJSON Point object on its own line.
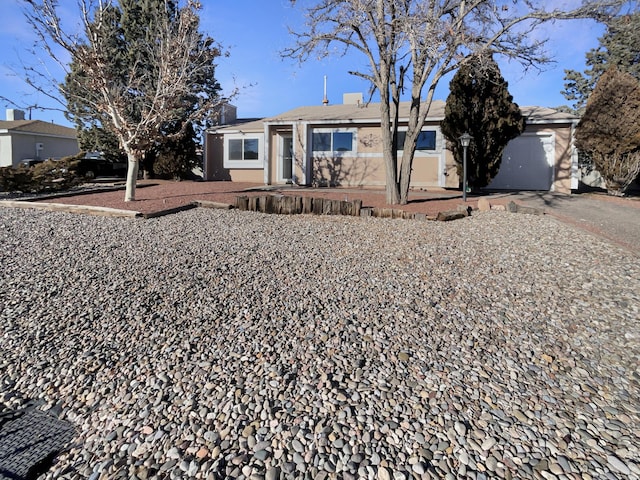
{"type": "Point", "coordinates": [563, 165]}
{"type": "Point", "coordinates": [452, 180]}
{"type": "Point", "coordinates": [365, 166]}
{"type": "Point", "coordinates": [247, 175]}
{"type": "Point", "coordinates": [6, 154]}
{"type": "Point", "coordinates": [214, 158]}
{"type": "Point", "coordinates": [214, 164]}
{"type": "Point", "coordinates": [301, 167]}
{"type": "Point", "coordinates": [23, 146]}
{"type": "Point", "coordinates": [274, 145]}
{"type": "Point", "coordinates": [426, 171]}
{"type": "Point", "coordinates": [563, 157]}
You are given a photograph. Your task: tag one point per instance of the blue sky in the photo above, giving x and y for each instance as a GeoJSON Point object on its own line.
{"type": "Point", "coordinates": [255, 31]}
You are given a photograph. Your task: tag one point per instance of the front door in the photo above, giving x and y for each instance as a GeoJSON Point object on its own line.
{"type": "Point", "coordinates": [285, 168]}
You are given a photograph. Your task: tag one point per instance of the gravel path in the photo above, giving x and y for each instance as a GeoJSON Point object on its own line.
{"type": "Point", "coordinates": [225, 344]}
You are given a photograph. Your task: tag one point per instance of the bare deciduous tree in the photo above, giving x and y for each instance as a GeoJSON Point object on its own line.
{"type": "Point", "coordinates": [172, 62]}
{"type": "Point", "coordinates": [412, 44]}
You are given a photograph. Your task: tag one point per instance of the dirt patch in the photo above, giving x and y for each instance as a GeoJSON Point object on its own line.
{"type": "Point", "coordinates": [155, 196]}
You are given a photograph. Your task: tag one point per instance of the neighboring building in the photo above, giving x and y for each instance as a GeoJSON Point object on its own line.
{"type": "Point", "coordinates": [33, 140]}
{"type": "Point", "coordinates": [340, 145]}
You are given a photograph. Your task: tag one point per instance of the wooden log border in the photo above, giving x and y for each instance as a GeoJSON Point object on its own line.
{"type": "Point", "coordinates": [295, 205]}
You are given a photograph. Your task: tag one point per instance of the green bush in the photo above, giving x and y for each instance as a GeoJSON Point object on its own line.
{"type": "Point", "coordinates": [56, 175]}
{"type": "Point", "coordinates": [48, 176]}
{"type": "Point", "coordinates": [609, 131]}
{"type": "Point", "coordinates": [16, 179]}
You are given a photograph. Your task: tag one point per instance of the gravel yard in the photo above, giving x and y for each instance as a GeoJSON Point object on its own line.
{"type": "Point", "coordinates": [226, 344]}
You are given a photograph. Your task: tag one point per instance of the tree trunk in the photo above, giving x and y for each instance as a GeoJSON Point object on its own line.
{"type": "Point", "coordinates": [390, 155]}
{"type": "Point", "coordinates": [392, 193]}
{"type": "Point", "coordinates": [405, 175]}
{"type": "Point", "coordinates": [132, 177]}
{"type": "Point", "coordinates": [417, 116]}
{"type": "Point", "coordinates": [409, 149]}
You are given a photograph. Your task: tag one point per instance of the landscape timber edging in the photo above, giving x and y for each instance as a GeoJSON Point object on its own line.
{"type": "Point", "coordinates": [63, 207]}
{"type": "Point", "coordinates": [292, 205]}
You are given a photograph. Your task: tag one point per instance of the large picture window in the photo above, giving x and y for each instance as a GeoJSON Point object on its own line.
{"type": "Point", "coordinates": [426, 140]}
{"type": "Point", "coordinates": [243, 151]}
{"type": "Point", "coordinates": [333, 141]}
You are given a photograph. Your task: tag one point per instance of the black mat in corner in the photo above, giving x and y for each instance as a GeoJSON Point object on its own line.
{"type": "Point", "coordinates": [30, 439]}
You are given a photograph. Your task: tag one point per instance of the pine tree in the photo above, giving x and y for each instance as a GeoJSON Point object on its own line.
{"type": "Point", "coordinates": [619, 46]}
{"type": "Point", "coordinates": [92, 125]}
{"type": "Point", "coordinates": [479, 103]}
{"type": "Point", "coordinates": [177, 157]}
{"type": "Point", "coordinates": [126, 30]}
{"type": "Point", "coordinates": [609, 130]}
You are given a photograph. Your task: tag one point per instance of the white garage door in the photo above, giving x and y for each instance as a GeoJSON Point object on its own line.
{"type": "Point", "coordinates": [527, 164]}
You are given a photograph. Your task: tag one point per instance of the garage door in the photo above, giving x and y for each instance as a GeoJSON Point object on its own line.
{"type": "Point", "coordinates": [527, 164]}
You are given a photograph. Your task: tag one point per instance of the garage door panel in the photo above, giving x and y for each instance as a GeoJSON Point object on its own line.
{"type": "Point", "coordinates": [527, 164]}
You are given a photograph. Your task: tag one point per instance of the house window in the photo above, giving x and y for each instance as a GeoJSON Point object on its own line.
{"type": "Point", "coordinates": [243, 151]}
{"type": "Point", "coordinates": [334, 141]}
{"type": "Point", "coordinates": [426, 140]}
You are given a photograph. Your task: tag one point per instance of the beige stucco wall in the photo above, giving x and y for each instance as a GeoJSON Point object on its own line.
{"type": "Point", "coordinates": [452, 180]}
{"type": "Point", "coordinates": [214, 164]}
{"type": "Point", "coordinates": [347, 171]}
{"type": "Point", "coordinates": [249, 175]}
{"type": "Point", "coordinates": [365, 168]}
{"type": "Point", "coordinates": [562, 172]}
{"type": "Point", "coordinates": [425, 171]}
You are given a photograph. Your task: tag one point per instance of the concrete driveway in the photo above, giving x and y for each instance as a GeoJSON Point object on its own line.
{"type": "Point", "coordinates": [615, 219]}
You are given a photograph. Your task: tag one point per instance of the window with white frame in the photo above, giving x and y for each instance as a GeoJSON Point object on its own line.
{"type": "Point", "coordinates": [243, 151]}
{"type": "Point", "coordinates": [334, 141]}
{"type": "Point", "coordinates": [426, 140]}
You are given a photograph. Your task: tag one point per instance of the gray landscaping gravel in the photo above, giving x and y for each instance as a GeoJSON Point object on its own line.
{"type": "Point", "coordinates": [224, 344]}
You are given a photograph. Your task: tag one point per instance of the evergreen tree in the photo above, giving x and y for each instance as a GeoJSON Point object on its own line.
{"type": "Point", "coordinates": [176, 157]}
{"type": "Point", "coordinates": [97, 139]}
{"type": "Point", "coordinates": [126, 29]}
{"type": "Point", "coordinates": [609, 130]}
{"type": "Point", "coordinates": [619, 46]}
{"type": "Point", "coordinates": [479, 103]}
{"type": "Point", "coordinates": [92, 125]}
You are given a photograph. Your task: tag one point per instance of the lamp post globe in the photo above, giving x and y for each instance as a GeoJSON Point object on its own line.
{"type": "Point", "coordinates": [465, 141]}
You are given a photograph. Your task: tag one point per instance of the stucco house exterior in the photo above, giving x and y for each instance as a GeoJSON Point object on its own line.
{"type": "Point", "coordinates": [22, 140]}
{"type": "Point", "coordinates": [340, 145]}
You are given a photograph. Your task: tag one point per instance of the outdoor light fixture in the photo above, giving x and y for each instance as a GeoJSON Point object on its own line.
{"type": "Point", "coordinates": [465, 141]}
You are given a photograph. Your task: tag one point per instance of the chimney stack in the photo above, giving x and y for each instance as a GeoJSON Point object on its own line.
{"type": "Point", "coordinates": [13, 115]}
{"type": "Point", "coordinates": [352, 99]}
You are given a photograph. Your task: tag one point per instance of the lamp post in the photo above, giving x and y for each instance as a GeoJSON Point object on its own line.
{"type": "Point", "coordinates": [465, 141]}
